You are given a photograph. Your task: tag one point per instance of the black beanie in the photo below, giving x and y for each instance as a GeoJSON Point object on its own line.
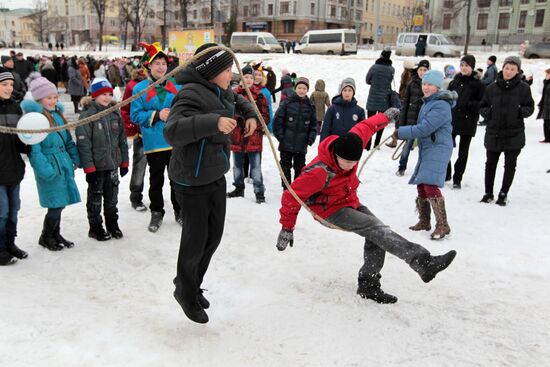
{"type": "Point", "coordinates": [212, 63]}
{"type": "Point", "coordinates": [349, 146]}
{"type": "Point", "coordinates": [423, 63]}
{"type": "Point", "coordinates": [470, 60]}
{"type": "Point", "coordinates": [493, 59]}
{"type": "Point", "coordinates": [248, 70]}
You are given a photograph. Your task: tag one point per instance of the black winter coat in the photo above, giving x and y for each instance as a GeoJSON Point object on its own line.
{"type": "Point", "coordinates": [380, 77]}
{"type": "Point", "coordinates": [505, 104]}
{"type": "Point", "coordinates": [295, 124]}
{"type": "Point", "coordinates": [466, 112]}
{"type": "Point", "coordinates": [12, 167]}
{"type": "Point", "coordinates": [544, 104]}
{"type": "Point", "coordinates": [51, 75]}
{"type": "Point", "coordinates": [412, 102]}
{"type": "Point", "coordinates": [200, 154]}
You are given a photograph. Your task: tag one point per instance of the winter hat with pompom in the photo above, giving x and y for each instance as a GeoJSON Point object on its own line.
{"type": "Point", "coordinates": [41, 88]}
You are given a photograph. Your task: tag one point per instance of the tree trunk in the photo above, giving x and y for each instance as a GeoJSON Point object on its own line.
{"type": "Point", "coordinates": [164, 24]}
{"type": "Point", "coordinates": [100, 35]}
{"type": "Point", "coordinates": [184, 13]}
{"type": "Point", "coordinates": [468, 26]}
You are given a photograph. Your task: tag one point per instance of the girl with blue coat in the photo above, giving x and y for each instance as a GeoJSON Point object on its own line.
{"type": "Point", "coordinates": [344, 112]}
{"type": "Point", "coordinates": [53, 161]}
{"type": "Point", "coordinates": [434, 133]}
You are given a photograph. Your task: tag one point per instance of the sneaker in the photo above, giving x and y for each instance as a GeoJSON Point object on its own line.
{"type": "Point", "coordinates": [378, 296]}
{"type": "Point", "coordinates": [428, 266]}
{"type": "Point", "coordinates": [193, 310]}
{"type": "Point", "coordinates": [501, 199]}
{"type": "Point", "coordinates": [457, 185]}
{"type": "Point", "coordinates": [6, 258]}
{"type": "Point", "coordinates": [139, 207]}
{"type": "Point", "coordinates": [156, 221]}
{"type": "Point", "coordinates": [237, 193]}
{"type": "Point", "coordinates": [400, 173]}
{"type": "Point", "coordinates": [487, 198]}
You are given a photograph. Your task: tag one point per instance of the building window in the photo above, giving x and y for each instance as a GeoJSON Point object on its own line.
{"type": "Point", "coordinates": [522, 19]}
{"type": "Point", "coordinates": [285, 7]}
{"type": "Point", "coordinates": [447, 21]}
{"type": "Point", "coordinates": [270, 9]}
{"type": "Point", "coordinates": [194, 14]}
{"type": "Point", "coordinates": [505, 2]}
{"type": "Point", "coordinates": [525, 1]}
{"type": "Point", "coordinates": [333, 11]}
{"type": "Point", "coordinates": [448, 4]}
{"type": "Point", "coordinates": [312, 8]}
{"type": "Point", "coordinates": [254, 10]}
{"type": "Point", "coordinates": [541, 1]}
{"type": "Point", "coordinates": [289, 26]}
{"type": "Point", "coordinates": [539, 18]}
{"type": "Point", "coordinates": [245, 11]}
{"type": "Point", "coordinates": [367, 5]}
{"type": "Point", "coordinates": [483, 3]}
{"type": "Point", "coordinates": [358, 15]}
{"type": "Point", "coordinates": [503, 20]}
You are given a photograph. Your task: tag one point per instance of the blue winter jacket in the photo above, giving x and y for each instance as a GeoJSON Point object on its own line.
{"type": "Point", "coordinates": [267, 95]}
{"type": "Point", "coordinates": [341, 116]}
{"type": "Point", "coordinates": [434, 133]}
{"type": "Point", "coordinates": [53, 161]}
{"type": "Point", "coordinates": [144, 112]}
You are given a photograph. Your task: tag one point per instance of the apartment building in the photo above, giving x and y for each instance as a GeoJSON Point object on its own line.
{"type": "Point", "coordinates": [13, 27]}
{"type": "Point", "coordinates": [496, 22]}
{"type": "Point", "coordinates": [394, 17]}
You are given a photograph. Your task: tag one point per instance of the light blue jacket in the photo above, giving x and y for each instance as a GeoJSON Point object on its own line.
{"type": "Point", "coordinates": [144, 112]}
{"type": "Point", "coordinates": [434, 133]}
{"type": "Point", "coordinates": [53, 162]}
{"type": "Point", "coordinates": [268, 96]}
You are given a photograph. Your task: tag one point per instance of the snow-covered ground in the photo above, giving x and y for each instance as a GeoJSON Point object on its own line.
{"type": "Point", "coordinates": [111, 304]}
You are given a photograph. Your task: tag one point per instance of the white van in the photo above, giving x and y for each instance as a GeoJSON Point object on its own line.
{"type": "Point", "coordinates": [437, 45]}
{"type": "Point", "coordinates": [254, 42]}
{"type": "Point", "coordinates": [328, 41]}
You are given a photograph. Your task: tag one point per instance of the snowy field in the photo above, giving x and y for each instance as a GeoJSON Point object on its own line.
{"type": "Point", "coordinates": [111, 304]}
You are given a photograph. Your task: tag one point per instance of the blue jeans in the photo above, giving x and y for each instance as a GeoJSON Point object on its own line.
{"type": "Point", "coordinates": [10, 203]}
{"type": "Point", "coordinates": [405, 154]}
{"type": "Point", "coordinates": [255, 171]}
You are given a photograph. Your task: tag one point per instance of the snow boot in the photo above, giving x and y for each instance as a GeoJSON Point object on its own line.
{"type": "Point", "coordinates": [60, 238]}
{"type": "Point", "coordinates": [6, 258]}
{"type": "Point", "coordinates": [260, 198]}
{"type": "Point", "coordinates": [369, 288]}
{"type": "Point", "coordinates": [97, 232]}
{"type": "Point", "coordinates": [193, 310]}
{"type": "Point", "coordinates": [156, 221]}
{"type": "Point", "coordinates": [501, 199]}
{"type": "Point", "coordinates": [427, 266]}
{"type": "Point", "coordinates": [238, 192]}
{"type": "Point", "coordinates": [441, 226]}
{"type": "Point", "coordinates": [12, 248]}
{"type": "Point", "coordinates": [424, 213]}
{"type": "Point", "coordinates": [47, 238]}
{"type": "Point", "coordinates": [487, 198]}
{"type": "Point", "coordinates": [114, 230]}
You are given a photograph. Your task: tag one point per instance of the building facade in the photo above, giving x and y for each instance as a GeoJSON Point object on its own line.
{"type": "Point", "coordinates": [392, 17]}
{"type": "Point", "coordinates": [13, 27]}
{"type": "Point", "coordinates": [496, 22]}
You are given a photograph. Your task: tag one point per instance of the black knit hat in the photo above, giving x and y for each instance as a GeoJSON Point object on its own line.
{"type": "Point", "coordinates": [349, 146]}
{"type": "Point", "coordinates": [5, 74]}
{"type": "Point", "coordinates": [248, 70]}
{"type": "Point", "coordinates": [470, 60]}
{"type": "Point", "coordinates": [212, 63]}
{"type": "Point", "coordinates": [493, 59]}
{"type": "Point", "coordinates": [423, 63]}
{"type": "Point", "coordinates": [386, 53]}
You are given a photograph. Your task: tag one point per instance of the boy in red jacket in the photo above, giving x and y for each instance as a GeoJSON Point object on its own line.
{"type": "Point", "coordinates": [328, 185]}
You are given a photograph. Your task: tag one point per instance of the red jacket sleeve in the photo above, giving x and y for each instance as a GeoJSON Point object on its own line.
{"type": "Point", "coordinates": [131, 129]}
{"type": "Point", "coordinates": [367, 128]}
{"type": "Point", "coordinates": [307, 184]}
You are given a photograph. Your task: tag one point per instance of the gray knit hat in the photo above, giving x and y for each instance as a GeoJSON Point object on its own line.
{"type": "Point", "coordinates": [347, 82]}
{"type": "Point", "coordinates": [513, 60]}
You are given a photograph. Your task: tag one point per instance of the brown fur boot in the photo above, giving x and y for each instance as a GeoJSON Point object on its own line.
{"type": "Point", "coordinates": [424, 211]}
{"type": "Point", "coordinates": [441, 226]}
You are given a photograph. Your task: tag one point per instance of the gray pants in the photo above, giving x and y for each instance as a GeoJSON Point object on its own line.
{"type": "Point", "coordinates": [139, 164]}
{"type": "Point", "coordinates": [379, 238]}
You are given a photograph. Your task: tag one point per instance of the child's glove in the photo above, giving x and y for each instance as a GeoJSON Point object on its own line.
{"type": "Point", "coordinates": [392, 114]}
{"type": "Point", "coordinates": [285, 238]}
{"type": "Point", "coordinates": [123, 171]}
{"type": "Point", "coordinates": [91, 178]}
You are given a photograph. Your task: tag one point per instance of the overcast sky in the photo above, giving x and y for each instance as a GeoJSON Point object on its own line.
{"type": "Point", "coordinates": [12, 4]}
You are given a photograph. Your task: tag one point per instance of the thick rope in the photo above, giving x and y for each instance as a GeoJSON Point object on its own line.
{"type": "Point", "coordinates": [370, 155]}
{"type": "Point", "coordinates": [398, 151]}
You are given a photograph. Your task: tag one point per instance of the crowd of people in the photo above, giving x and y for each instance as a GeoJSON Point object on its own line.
{"type": "Point", "coordinates": [189, 126]}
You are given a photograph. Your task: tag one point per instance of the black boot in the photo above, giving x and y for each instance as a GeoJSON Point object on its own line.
{"type": "Point", "coordinates": [487, 198]}
{"type": "Point", "coordinates": [156, 221]}
{"type": "Point", "coordinates": [427, 266]}
{"type": "Point", "coordinates": [12, 248]}
{"type": "Point", "coordinates": [238, 192]}
{"type": "Point", "coordinates": [193, 310]}
{"type": "Point", "coordinates": [260, 198]}
{"type": "Point", "coordinates": [501, 199]}
{"type": "Point", "coordinates": [369, 288]}
{"type": "Point", "coordinates": [47, 238]}
{"type": "Point", "coordinates": [97, 232]}
{"type": "Point", "coordinates": [114, 230]}
{"type": "Point", "coordinates": [60, 238]}
{"type": "Point", "coordinates": [200, 297]}
{"type": "Point", "coordinates": [6, 258]}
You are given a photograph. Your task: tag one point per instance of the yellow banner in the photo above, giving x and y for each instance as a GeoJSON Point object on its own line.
{"type": "Point", "coordinates": [188, 41]}
{"type": "Point", "coordinates": [418, 20]}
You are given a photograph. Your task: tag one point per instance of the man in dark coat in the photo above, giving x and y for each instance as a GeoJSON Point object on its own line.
{"type": "Point", "coordinates": [420, 47]}
{"type": "Point", "coordinates": [544, 107]}
{"type": "Point", "coordinates": [19, 87]}
{"type": "Point", "coordinates": [200, 120]}
{"type": "Point", "coordinates": [465, 114]}
{"type": "Point", "coordinates": [506, 103]}
{"type": "Point", "coordinates": [22, 67]}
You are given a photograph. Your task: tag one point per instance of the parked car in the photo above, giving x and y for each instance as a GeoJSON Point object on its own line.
{"type": "Point", "coordinates": [538, 50]}
{"type": "Point", "coordinates": [437, 45]}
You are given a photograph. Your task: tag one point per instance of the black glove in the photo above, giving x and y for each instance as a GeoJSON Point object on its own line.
{"type": "Point", "coordinates": [91, 177]}
{"type": "Point", "coordinates": [392, 114]}
{"type": "Point", "coordinates": [123, 171]}
{"type": "Point", "coordinates": [285, 238]}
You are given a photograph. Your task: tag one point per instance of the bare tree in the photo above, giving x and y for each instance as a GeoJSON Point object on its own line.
{"type": "Point", "coordinates": [99, 7]}
{"type": "Point", "coordinates": [415, 7]}
{"type": "Point", "coordinates": [183, 10]}
{"type": "Point", "coordinates": [139, 13]}
{"type": "Point", "coordinates": [231, 26]}
{"type": "Point", "coordinates": [124, 17]}
{"type": "Point", "coordinates": [468, 24]}
{"type": "Point", "coordinates": [40, 23]}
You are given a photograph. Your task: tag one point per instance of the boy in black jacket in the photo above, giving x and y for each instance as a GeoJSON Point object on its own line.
{"type": "Point", "coordinates": [12, 170]}
{"type": "Point", "coordinates": [200, 120]}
